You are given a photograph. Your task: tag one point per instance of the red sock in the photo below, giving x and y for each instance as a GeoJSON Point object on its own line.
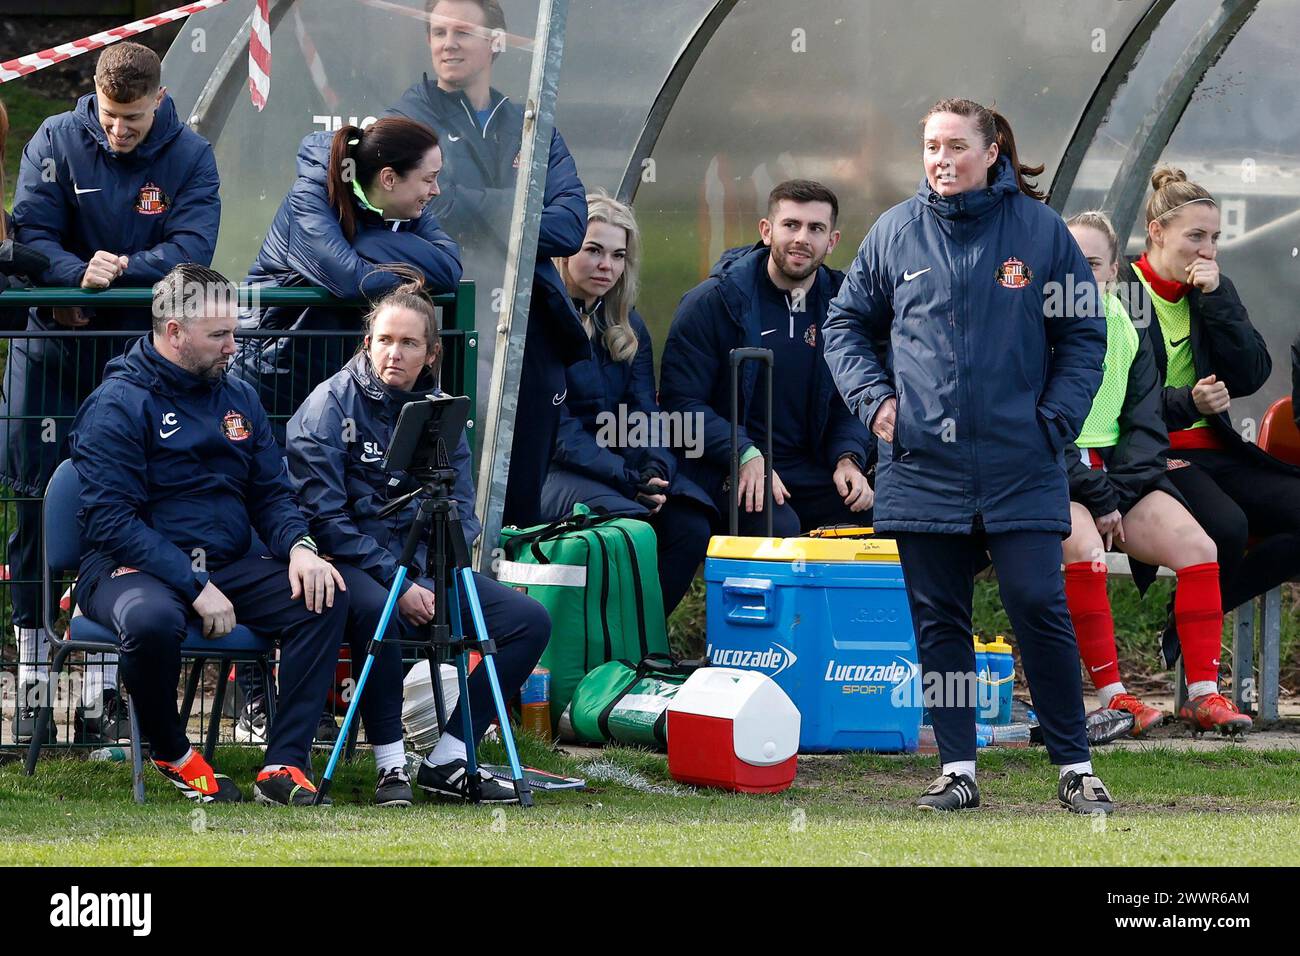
{"type": "Point", "coordinates": [1094, 628]}
{"type": "Point", "coordinates": [1198, 615]}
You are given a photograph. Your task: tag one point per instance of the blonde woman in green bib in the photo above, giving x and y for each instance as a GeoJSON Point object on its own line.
{"type": "Point", "coordinates": [1121, 498]}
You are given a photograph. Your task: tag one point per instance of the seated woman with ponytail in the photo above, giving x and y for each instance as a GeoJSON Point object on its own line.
{"type": "Point", "coordinates": [359, 201]}
{"type": "Point", "coordinates": [1207, 352]}
{"type": "Point", "coordinates": [595, 463]}
{"type": "Point", "coordinates": [335, 449]}
{"type": "Point", "coordinates": [1120, 497]}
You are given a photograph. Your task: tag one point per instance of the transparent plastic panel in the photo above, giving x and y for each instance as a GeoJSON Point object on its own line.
{"type": "Point", "coordinates": [1240, 138]}
{"type": "Point", "coordinates": [834, 91]}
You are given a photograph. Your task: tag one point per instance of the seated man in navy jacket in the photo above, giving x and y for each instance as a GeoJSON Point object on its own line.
{"type": "Point", "coordinates": [772, 295]}
{"type": "Point", "coordinates": [114, 193]}
{"type": "Point", "coordinates": [176, 463]}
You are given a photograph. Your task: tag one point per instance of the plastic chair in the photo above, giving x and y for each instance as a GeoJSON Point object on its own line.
{"type": "Point", "coordinates": [1278, 434]}
{"type": "Point", "coordinates": [61, 542]}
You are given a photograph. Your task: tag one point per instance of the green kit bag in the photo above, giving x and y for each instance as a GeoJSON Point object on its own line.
{"type": "Point", "coordinates": [598, 577]}
{"type": "Point", "coordinates": [627, 703]}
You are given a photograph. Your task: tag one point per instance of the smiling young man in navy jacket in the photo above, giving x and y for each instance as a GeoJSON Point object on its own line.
{"type": "Point", "coordinates": [115, 193]}
{"type": "Point", "coordinates": [772, 295]}
{"type": "Point", "coordinates": [178, 467]}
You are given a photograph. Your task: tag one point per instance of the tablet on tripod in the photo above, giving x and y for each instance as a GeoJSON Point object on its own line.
{"type": "Point", "coordinates": [427, 433]}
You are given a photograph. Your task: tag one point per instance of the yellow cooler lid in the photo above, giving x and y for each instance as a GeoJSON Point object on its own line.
{"type": "Point", "coordinates": [824, 545]}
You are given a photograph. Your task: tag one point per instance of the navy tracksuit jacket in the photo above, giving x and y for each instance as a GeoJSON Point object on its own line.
{"type": "Point", "coordinates": [158, 205]}
{"type": "Point", "coordinates": [177, 472]}
{"type": "Point", "coordinates": [992, 381]}
{"type": "Point", "coordinates": [480, 165]}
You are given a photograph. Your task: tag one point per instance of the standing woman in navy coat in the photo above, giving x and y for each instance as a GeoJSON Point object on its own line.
{"type": "Point", "coordinates": [995, 346]}
{"type": "Point", "coordinates": [595, 462]}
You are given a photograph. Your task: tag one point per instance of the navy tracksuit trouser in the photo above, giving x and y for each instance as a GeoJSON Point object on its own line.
{"type": "Point", "coordinates": [939, 573]}
{"type": "Point", "coordinates": [151, 620]}
{"type": "Point", "coordinates": [518, 624]}
{"type": "Point", "coordinates": [814, 502]}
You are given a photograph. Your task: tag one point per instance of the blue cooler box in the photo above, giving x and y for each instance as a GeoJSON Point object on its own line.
{"type": "Point", "coordinates": [827, 619]}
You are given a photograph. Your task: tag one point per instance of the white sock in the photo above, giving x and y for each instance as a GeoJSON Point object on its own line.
{"type": "Point", "coordinates": [447, 749]}
{"type": "Point", "coordinates": [1108, 693]}
{"type": "Point", "coordinates": [33, 654]}
{"type": "Point", "coordinates": [272, 767]}
{"type": "Point", "coordinates": [180, 761]}
{"type": "Point", "coordinates": [390, 756]}
{"type": "Point", "coordinates": [1199, 688]}
{"type": "Point", "coordinates": [964, 767]}
{"type": "Point", "coordinates": [100, 675]}
{"type": "Point", "coordinates": [1085, 767]}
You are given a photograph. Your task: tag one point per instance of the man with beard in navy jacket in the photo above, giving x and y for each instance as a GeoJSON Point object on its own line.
{"type": "Point", "coordinates": [772, 295]}
{"type": "Point", "coordinates": [480, 132]}
{"type": "Point", "coordinates": [115, 193]}
{"type": "Point", "coordinates": [177, 467]}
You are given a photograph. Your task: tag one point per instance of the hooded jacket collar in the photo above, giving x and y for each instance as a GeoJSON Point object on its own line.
{"type": "Point", "coordinates": [738, 272]}
{"type": "Point", "coordinates": [166, 127]}
{"type": "Point", "coordinates": [363, 373]}
{"type": "Point", "coordinates": [974, 203]}
{"type": "Point", "coordinates": [142, 365]}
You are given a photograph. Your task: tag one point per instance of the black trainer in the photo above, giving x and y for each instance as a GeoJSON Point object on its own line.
{"type": "Point", "coordinates": [394, 789]}
{"type": "Point", "coordinates": [26, 713]}
{"type": "Point", "coordinates": [288, 787]}
{"type": "Point", "coordinates": [250, 728]}
{"type": "Point", "coordinates": [952, 791]}
{"type": "Point", "coordinates": [111, 725]}
{"type": "Point", "coordinates": [451, 780]}
{"type": "Point", "coordinates": [1171, 648]}
{"type": "Point", "coordinates": [327, 732]}
{"type": "Point", "coordinates": [1084, 793]}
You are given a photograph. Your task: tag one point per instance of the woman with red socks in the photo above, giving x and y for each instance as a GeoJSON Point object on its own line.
{"type": "Point", "coordinates": [1207, 353]}
{"type": "Point", "coordinates": [1121, 498]}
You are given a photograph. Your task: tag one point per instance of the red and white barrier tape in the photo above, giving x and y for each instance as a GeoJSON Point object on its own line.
{"type": "Point", "coordinates": [23, 65]}
{"type": "Point", "coordinates": [259, 56]}
{"type": "Point", "coordinates": [259, 47]}
{"type": "Point", "coordinates": [315, 68]}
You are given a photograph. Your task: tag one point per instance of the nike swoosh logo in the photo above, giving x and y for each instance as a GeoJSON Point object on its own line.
{"type": "Point", "coordinates": [163, 434]}
{"type": "Point", "coordinates": [1174, 343]}
{"type": "Point", "coordinates": [81, 192]}
{"type": "Point", "coordinates": [1101, 668]}
{"type": "Point", "coordinates": [559, 399]}
{"type": "Point", "coordinates": [768, 332]}
{"type": "Point", "coordinates": [371, 461]}
{"type": "Point", "coordinates": [453, 139]}
{"type": "Point", "coordinates": [909, 276]}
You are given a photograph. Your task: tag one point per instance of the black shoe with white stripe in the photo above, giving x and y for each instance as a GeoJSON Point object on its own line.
{"type": "Point", "coordinates": [394, 789]}
{"type": "Point", "coordinates": [451, 780]}
{"type": "Point", "coordinates": [1084, 793]}
{"type": "Point", "coordinates": [952, 791]}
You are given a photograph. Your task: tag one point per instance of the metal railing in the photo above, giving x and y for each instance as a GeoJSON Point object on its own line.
{"type": "Point", "coordinates": [61, 366]}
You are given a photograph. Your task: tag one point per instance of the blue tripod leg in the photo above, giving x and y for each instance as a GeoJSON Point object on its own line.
{"type": "Point", "coordinates": [462, 678]}
{"type": "Point", "coordinates": [522, 790]}
{"type": "Point", "coordinates": [375, 642]}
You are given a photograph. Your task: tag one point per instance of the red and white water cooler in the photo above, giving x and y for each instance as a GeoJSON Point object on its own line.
{"type": "Point", "coordinates": [733, 729]}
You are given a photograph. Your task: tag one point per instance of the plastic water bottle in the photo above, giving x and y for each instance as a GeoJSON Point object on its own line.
{"type": "Point", "coordinates": [535, 703]}
{"type": "Point", "coordinates": [1002, 674]}
{"type": "Point", "coordinates": [114, 754]}
{"type": "Point", "coordinates": [986, 693]}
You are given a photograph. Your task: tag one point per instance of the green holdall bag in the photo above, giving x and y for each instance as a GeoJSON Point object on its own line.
{"type": "Point", "coordinates": [627, 703]}
{"type": "Point", "coordinates": [597, 575]}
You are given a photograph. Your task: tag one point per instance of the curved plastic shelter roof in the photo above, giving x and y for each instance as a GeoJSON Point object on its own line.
{"type": "Point", "coordinates": [695, 108]}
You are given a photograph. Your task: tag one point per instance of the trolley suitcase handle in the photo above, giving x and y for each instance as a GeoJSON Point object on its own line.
{"type": "Point", "coordinates": [738, 358]}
